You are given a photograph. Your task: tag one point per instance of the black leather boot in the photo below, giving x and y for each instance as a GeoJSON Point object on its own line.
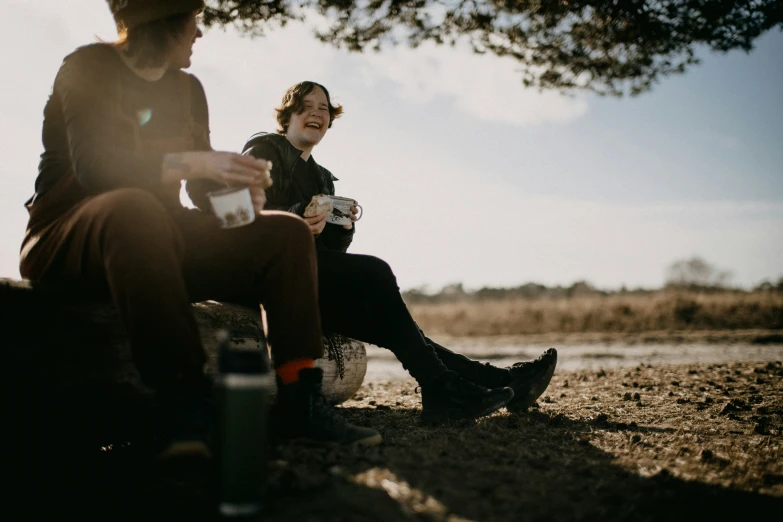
{"type": "Point", "coordinates": [301, 411]}
{"type": "Point", "coordinates": [530, 379]}
{"type": "Point", "coordinates": [449, 397]}
{"type": "Point", "coordinates": [483, 374]}
{"type": "Point", "coordinates": [527, 379]}
{"type": "Point", "coordinates": [187, 410]}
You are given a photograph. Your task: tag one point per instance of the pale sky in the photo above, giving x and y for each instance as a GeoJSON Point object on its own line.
{"type": "Point", "coordinates": [464, 175]}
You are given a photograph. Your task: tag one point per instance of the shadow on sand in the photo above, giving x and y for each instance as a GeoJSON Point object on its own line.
{"type": "Point", "coordinates": [529, 467]}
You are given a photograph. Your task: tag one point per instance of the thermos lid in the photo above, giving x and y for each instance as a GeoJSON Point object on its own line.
{"type": "Point", "coordinates": [246, 358]}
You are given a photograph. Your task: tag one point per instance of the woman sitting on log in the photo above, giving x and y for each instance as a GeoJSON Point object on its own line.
{"type": "Point", "coordinates": [123, 126]}
{"type": "Point", "coordinates": [358, 294]}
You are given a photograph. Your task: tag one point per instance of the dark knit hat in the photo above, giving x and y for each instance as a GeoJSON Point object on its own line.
{"type": "Point", "coordinates": [133, 13]}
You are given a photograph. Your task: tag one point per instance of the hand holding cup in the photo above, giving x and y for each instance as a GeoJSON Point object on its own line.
{"type": "Point", "coordinates": [258, 196]}
{"type": "Point", "coordinates": [316, 223]}
{"type": "Point", "coordinates": [346, 211]}
{"type": "Point", "coordinates": [224, 167]}
{"type": "Point", "coordinates": [316, 212]}
{"type": "Point", "coordinates": [354, 216]}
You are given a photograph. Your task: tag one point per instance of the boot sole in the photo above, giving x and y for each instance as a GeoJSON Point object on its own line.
{"type": "Point", "coordinates": [187, 450]}
{"type": "Point", "coordinates": [522, 403]}
{"type": "Point", "coordinates": [457, 415]}
{"type": "Point", "coordinates": [183, 462]}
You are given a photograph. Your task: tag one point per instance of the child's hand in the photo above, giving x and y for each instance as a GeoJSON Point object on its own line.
{"type": "Point", "coordinates": [317, 223]}
{"type": "Point", "coordinates": [354, 216]}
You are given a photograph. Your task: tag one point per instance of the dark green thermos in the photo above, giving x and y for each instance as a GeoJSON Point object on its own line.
{"type": "Point", "coordinates": [242, 390]}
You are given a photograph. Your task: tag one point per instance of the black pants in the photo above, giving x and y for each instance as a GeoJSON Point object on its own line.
{"type": "Point", "coordinates": [359, 298]}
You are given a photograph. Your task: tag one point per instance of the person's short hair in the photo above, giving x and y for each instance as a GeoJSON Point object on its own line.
{"type": "Point", "coordinates": [149, 44]}
{"type": "Point", "coordinates": [293, 103]}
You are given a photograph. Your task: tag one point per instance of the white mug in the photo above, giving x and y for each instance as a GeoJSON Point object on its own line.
{"type": "Point", "coordinates": [341, 211]}
{"type": "Point", "coordinates": [233, 206]}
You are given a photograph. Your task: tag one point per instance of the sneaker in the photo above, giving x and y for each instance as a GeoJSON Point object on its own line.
{"type": "Point", "coordinates": [449, 397]}
{"type": "Point", "coordinates": [530, 379]}
{"type": "Point", "coordinates": [301, 411]}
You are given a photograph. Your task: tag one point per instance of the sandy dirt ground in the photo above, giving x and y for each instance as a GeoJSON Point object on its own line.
{"type": "Point", "coordinates": [687, 442]}
{"type": "Point", "coordinates": [649, 443]}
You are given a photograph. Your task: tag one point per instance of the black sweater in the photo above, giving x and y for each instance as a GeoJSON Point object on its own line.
{"type": "Point", "coordinates": [98, 107]}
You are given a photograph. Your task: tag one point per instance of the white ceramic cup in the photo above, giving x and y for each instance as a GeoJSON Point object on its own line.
{"type": "Point", "coordinates": [233, 206]}
{"type": "Point", "coordinates": [341, 212]}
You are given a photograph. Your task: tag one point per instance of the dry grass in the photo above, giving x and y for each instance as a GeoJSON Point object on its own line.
{"type": "Point", "coordinates": [660, 311]}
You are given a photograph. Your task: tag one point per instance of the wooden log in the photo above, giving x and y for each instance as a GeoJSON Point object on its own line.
{"type": "Point", "coordinates": [339, 388]}
{"type": "Point", "coordinates": [67, 361]}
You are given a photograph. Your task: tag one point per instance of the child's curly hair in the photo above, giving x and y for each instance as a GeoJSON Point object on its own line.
{"type": "Point", "coordinates": [293, 103]}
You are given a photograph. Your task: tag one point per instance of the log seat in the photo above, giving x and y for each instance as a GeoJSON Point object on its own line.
{"type": "Point", "coordinates": [67, 368]}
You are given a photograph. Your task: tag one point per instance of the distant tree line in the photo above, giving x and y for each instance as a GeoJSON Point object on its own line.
{"type": "Point", "coordinates": [694, 275]}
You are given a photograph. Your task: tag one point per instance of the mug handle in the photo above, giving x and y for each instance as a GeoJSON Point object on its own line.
{"type": "Point", "coordinates": [361, 211]}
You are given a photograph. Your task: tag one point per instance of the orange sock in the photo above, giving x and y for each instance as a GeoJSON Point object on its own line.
{"type": "Point", "coordinates": [289, 372]}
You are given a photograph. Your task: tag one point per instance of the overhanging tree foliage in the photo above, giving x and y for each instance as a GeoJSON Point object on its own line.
{"type": "Point", "coordinates": [606, 46]}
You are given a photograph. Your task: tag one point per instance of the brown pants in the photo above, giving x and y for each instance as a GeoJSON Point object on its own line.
{"type": "Point", "coordinates": [155, 261]}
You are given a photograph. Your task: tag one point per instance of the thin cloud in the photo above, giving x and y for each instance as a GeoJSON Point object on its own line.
{"type": "Point", "coordinates": [515, 237]}
{"type": "Point", "coordinates": [724, 141]}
